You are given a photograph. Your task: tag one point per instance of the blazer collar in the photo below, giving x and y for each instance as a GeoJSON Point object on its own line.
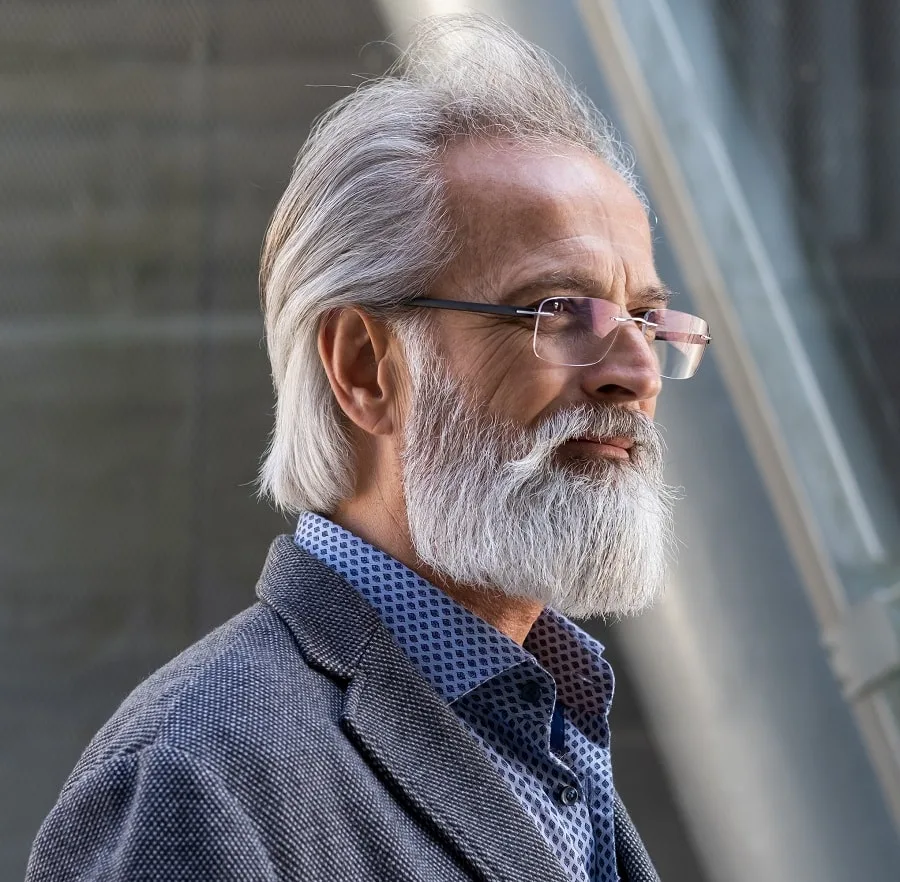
{"type": "Point", "coordinates": [410, 737]}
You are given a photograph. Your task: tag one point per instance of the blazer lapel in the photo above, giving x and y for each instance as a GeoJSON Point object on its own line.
{"type": "Point", "coordinates": [419, 746]}
{"type": "Point", "coordinates": [631, 857]}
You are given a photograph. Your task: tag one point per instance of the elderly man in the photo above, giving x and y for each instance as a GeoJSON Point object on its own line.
{"type": "Point", "coordinates": [467, 337]}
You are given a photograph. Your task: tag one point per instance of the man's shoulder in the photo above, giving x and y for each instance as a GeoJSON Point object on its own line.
{"type": "Point", "coordinates": [243, 688]}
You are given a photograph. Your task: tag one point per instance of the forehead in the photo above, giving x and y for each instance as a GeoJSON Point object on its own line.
{"type": "Point", "coordinates": [522, 211]}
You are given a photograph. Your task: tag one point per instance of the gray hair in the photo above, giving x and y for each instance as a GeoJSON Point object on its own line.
{"type": "Point", "coordinates": [364, 222]}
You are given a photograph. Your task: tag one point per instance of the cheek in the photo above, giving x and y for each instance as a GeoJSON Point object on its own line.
{"type": "Point", "coordinates": [486, 358]}
{"type": "Point", "coordinates": [501, 369]}
{"type": "Point", "coordinates": [527, 389]}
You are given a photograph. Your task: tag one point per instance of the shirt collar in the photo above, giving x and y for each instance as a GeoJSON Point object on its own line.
{"type": "Point", "coordinates": [584, 678]}
{"type": "Point", "coordinates": [452, 648]}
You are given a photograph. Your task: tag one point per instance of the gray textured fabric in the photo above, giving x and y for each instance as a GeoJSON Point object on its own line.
{"type": "Point", "coordinates": [294, 742]}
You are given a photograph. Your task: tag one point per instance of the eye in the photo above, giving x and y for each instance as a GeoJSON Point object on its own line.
{"type": "Point", "coordinates": [555, 306]}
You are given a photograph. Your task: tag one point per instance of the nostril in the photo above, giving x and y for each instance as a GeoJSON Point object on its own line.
{"type": "Point", "coordinates": [615, 389]}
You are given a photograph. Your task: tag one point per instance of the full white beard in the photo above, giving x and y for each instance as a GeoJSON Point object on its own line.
{"type": "Point", "coordinates": [489, 505]}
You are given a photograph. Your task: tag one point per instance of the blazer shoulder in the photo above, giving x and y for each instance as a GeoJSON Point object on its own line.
{"type": "Point", "coordinates": [243, 683]}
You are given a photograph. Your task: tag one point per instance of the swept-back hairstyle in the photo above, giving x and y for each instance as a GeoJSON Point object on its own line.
{"type": "Point", "coordinates": [363, 221]}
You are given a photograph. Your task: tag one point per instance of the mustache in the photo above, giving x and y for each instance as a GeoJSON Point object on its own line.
{"type": "Point", "coordinates": [533, 447]}
{"type": "Point", "coordinates": [599, 421]}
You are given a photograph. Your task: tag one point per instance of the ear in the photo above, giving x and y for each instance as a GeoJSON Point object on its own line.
{"type": "Point", "coordinates": [356, 351]}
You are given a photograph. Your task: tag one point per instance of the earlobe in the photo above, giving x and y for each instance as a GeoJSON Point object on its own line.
{"type": "Point", "coordinates": [355, 351]}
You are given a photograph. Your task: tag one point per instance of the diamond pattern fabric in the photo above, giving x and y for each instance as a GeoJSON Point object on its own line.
{"type": "Point", "coordinates": [538, 711]}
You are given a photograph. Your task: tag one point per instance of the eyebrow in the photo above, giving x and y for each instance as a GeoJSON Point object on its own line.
{"type": "Point", "coordinates": [655, 295]}
{"type": "Point", "coordinates": [584, 286]}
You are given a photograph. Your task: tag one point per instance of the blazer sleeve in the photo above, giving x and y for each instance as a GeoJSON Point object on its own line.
{"type": "Point", "coordinates": [155, 814]}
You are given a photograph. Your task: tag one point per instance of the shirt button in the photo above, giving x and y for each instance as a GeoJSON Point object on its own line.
{"type": "Point", "coordinates": [568, 794]}
{"type": "Point", "coordinates": [530, 692]}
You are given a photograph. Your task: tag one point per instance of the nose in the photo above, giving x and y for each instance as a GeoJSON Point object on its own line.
{"type": "Point", "coordinates": [629, 372]}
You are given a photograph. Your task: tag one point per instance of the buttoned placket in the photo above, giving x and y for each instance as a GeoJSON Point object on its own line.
{"type": "Point", "coordinates": [519, 704]}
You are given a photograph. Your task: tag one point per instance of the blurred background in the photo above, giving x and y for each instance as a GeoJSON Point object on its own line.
{"type": "Point", "coordinates": [144, 145]}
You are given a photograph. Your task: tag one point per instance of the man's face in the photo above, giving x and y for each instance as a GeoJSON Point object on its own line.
{"type": "Point", "coordinates": [525, 219]}
{"type": "Point", "coordinates": [538, 480]}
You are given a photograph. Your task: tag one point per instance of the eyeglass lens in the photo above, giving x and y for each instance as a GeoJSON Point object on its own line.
{"type": "Point", "coordinates": [580, 331]}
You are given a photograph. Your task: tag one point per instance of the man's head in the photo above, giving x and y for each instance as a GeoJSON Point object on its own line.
{"type": "Point", "coordinates": [474, 174]}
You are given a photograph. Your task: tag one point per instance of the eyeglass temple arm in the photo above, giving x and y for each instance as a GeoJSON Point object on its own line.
{"type": "Point", "coordinates": [665, 334]}
{"type": "Point", "coordinates": [679, 337]}
{"type": "Point", "coordinates": [466, 306]}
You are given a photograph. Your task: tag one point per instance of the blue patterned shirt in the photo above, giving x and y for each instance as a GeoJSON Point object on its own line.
{"type": "Point", "coordinates": [538, 711]}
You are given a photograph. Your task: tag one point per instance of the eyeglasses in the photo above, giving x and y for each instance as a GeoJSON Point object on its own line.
{"type": "Point", "coordinates": [580, 331]}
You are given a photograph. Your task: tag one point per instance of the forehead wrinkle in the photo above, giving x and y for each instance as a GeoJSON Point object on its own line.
{"type": "Point", "coordinates": [571, 251]}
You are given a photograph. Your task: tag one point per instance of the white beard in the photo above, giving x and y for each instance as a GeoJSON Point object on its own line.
{"type": "Point", "coordinates": [489, 505]}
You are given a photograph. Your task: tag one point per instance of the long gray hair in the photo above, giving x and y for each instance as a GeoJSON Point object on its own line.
{"type": "Point", "coordinates": [363, 221]}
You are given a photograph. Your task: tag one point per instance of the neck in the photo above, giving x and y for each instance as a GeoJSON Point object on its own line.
{"type": "Point", "coordinates": [378, 525]}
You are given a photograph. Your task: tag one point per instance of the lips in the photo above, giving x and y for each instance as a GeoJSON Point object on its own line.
{"type": "Point", "coordinates": [612, 448]}
{"type": "Point", "coordinates": [621, 443]}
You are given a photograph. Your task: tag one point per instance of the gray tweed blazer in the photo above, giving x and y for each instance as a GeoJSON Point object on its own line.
{"type": "Point", "coordinates": [295, 742]}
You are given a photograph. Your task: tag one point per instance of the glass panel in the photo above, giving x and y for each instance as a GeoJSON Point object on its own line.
{"type": "Point", "coordinates": [820, 84]}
